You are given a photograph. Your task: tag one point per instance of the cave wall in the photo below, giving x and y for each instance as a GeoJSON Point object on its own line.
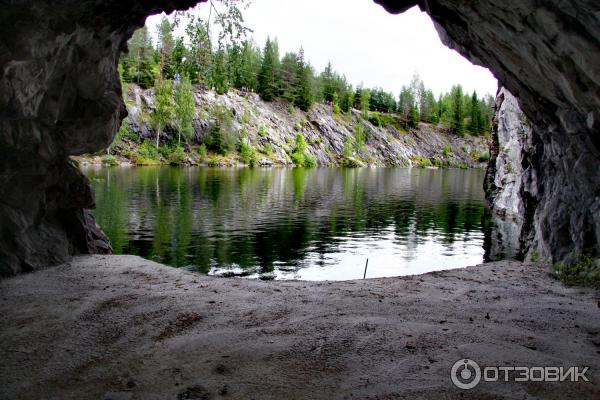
{"type": "Point", "coordinates": [60, 95]}
{"type": "Point", "coordinates": [547, 54]}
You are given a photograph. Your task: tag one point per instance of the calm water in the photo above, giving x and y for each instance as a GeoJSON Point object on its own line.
{"type": "Point", "coordinates": [313, 224]}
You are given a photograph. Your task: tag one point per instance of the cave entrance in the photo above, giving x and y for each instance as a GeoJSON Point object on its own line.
{"type": "Point", "coordinates": [353, 97]}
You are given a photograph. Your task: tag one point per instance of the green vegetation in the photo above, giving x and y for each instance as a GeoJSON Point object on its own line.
{"type": "Point", "coordinates": [185, 109]}
{"type": "Point", "coordinates": [164, 107]}
{"type": "Point", "coordinates": [173, 65]}
{"type": "Point", "coordinates": [446, 150]}
{"type": "Point", "coordinates": [202, 152]}
{"type": "Point", "coordinates": [585, 273]}
{"type": "Point", "coordinates": [248, 154]}
{"type": "Point", "coordinates": [300, 155]}
{"type": "Point", "coordinates": [147, 154]}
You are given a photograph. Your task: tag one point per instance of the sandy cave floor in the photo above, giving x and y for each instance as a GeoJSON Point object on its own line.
{"type": "Point", "coordinates": [121, 327]}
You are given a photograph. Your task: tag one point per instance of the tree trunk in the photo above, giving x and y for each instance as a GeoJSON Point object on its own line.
{"type": "Point", "coordinates": [157, 137]}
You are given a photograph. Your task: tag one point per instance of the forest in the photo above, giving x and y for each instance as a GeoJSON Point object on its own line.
{"type": "Point", "coordinates": [196, 59]}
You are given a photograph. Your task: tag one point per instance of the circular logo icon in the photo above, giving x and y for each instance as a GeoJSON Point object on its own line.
{"type": "Point", "coordinates": [465, 374]}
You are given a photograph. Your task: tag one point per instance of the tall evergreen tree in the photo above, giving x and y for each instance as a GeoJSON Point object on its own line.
{"type": "Point", "coordinates": [457, 113]}
{"type": "Point", "coordinates": [303, 96]}
{"type": "Point", "coordinates": [267, 81]}
{"type": "Point", "coordinates": [475, 121]}
{"type": "Point", "coordinates": [165, 47]}
{"type": "Point", "coordinates": [249, 66]}
{"type": "Point", "coordinates": [218, 74]}
{"type": "Point", "coordinates": [199, 62]}
{"type": "Point", "coordinates": [289, 76]}
{"type": "Point", "coordinates": [139, 58]}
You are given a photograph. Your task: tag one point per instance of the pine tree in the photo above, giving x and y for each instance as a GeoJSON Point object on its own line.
{"type": "Point", "coordinates": [249, 66]}
{"type": "Point", "coordinates": [475, 122]}
{"type": "Point", "coordinates": [139, 58]}
{"type": "Point", "coordinates": [200, 52]}
{"type": "Point", "coordinates": [267, 82]}
{"type": "Point", "coordinates": [166, 44]}
{"type": "Point", "coordinates": [218, 74]}
{"type": "Point", "coordinates": [303, 97]}
{"type": "Point", "coordinates": [456, 109]}
{"type": "Point", "coordinates": [289, 67]}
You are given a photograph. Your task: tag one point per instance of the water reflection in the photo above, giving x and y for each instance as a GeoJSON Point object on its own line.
{"type": "Point", "coordinates": [294, 223]}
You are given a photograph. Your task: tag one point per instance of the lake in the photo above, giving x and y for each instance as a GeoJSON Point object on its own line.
{"type": "Point", "coordinates": [278, 223]}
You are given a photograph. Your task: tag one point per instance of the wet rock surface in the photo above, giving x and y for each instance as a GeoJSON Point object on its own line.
{"type": "Point", "coordinates": [122, 327]}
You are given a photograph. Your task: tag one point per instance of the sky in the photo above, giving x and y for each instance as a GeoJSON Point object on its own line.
{"type": "Point", "coordinates": [364, 43]}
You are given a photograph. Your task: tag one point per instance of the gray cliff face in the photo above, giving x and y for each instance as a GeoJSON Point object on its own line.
{"type": "Point", "coordinates": [277, 125]}
{"type": "Point", "coordinates": [511, 140]}
{"type": "Point", "coordinates": [60, 96]}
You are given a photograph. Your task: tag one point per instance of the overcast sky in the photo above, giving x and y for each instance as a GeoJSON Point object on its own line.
{"type": "Point", "coordinates": [364, 42]}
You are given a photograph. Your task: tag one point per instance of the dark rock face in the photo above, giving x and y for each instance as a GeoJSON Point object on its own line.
{"type": "Point", "coordinates": [547, 53]}
{"type": "Point", "coordinates": [60, 96]}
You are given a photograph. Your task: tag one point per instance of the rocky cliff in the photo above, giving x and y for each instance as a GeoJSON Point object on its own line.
{"type": "Point", "coordinates": [271, 129]}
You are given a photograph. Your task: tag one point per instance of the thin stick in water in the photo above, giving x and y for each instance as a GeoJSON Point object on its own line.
{"type": "Point", "coordinates": [366, 265]}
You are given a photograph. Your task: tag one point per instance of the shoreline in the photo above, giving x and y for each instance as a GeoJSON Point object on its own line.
{"type": "Point", "coordinates": [121, 327]}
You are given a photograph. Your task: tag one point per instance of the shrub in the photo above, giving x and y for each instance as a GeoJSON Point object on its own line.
{"type": "Point", "coordinates": [300, 155]}
{"type": "Point", "coordinates": [248, 154]}
{"type": "Point", "coordinates": [375, 119]}
{"type": "Point", "coordinates": [176, 155]}
{"type": "Point", "coordinates": [147, 154]}
{"type": "Point", "coordinates": [446, 150]}
{"type": "Point", "coordinates": [222, 136]}
{"type": "Point", "coordinates": [262, 131]}
{"type": "Point", "coordinates": [309, 160]}
{"type": "Point", "coordinates": [585, 273]}
{"type": "Point", "coordinates": [421, 162]}
{"type": "Point", "coordinates": [110, 160]}
{"type": "Point", "coordinates": [268, 149]}
{"type": "Point", "coordinates": [484, 157]}
{"type": "Point", "coordinates": [202, 152]}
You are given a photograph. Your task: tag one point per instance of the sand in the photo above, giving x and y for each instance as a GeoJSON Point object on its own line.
{"type": "Point", "coordinates": [121, 327]}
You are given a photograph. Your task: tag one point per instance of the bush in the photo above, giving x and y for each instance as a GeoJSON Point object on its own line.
{"type": "Point", "coordinates": [147, 154]}
{"type": "Point", "coordinates": [446, 150]}
{"type": "Point", "coordinates": [309, 161]}
{"type": "Point", "coordinates": [248, 154]}
{"type": "Point", "coordinates": [375, 119]}
{"type": "Point", "coordinates": [585, 273]}
{"type": "Point", "coordinates": [202, 152]}
{"type": "Point", "coordinates": [300, 155]}
{"type": "Point", "coordinates": [222, 136]}
{"type": "Point", "coordinates": [110, 160]}
{"type": "Point", "coordinates": [421, 162]}
{"type": "Point", "coordinates": [176, 155]}
{"type": "Point", "coordinates": [262, 131]}
{"type": "Point", "coordinates": [268, 149]}
{"type": "Point", "coordinates": [484, 157]}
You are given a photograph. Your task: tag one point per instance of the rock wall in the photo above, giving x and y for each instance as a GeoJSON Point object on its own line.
{"type": "Point", "coordinates": [511, 140]}
{"type": "Point", "coordinates": [547, 53]}
{"type": "Point", "coordinates": [276, 124]}
{"type": "Point", "coordinates": [60, 96]}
